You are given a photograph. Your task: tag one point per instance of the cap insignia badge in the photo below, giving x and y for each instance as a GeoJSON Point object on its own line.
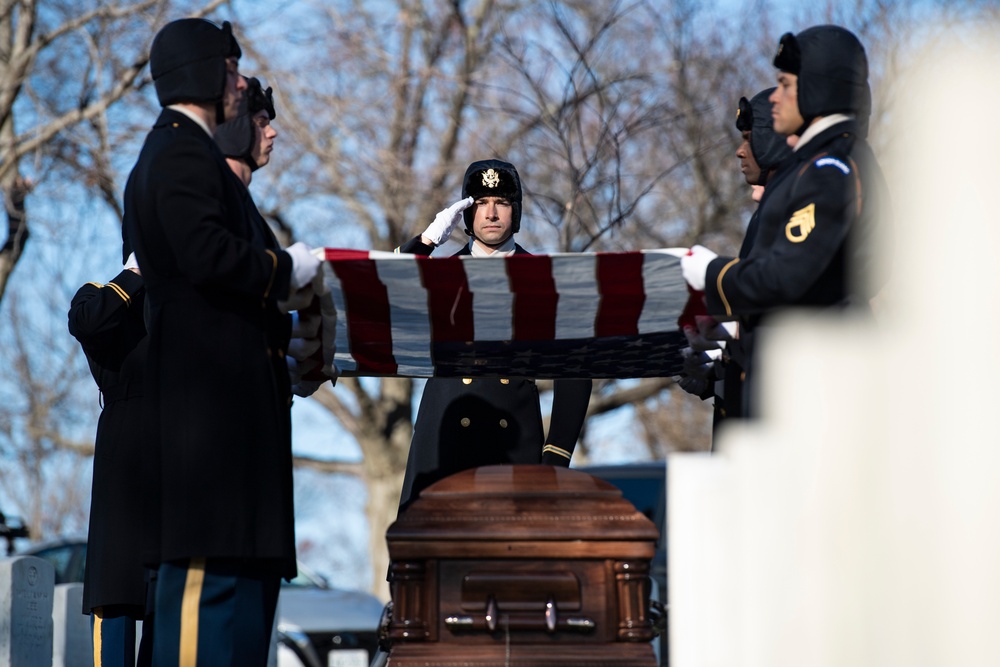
{"type": "Point", "coordinates": [491, 178]}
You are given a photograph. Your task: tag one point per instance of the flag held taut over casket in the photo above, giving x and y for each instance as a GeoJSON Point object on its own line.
{"type": "Point", "coordinates": [598, 315]}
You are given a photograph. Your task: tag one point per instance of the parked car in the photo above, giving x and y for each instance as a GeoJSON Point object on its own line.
{"type": "Point", "coordinates": [317, 625]}
{"type": "Point", "coordinates": [645, 486]}
{"type": "Point", "coordinates": [324, 626]}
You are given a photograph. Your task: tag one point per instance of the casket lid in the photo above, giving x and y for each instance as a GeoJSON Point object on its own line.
{"type": "Point", "coordinates": [522, 502]}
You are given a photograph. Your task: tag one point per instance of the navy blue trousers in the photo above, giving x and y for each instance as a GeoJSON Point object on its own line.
{"type": "Point", "coordinates": [114, 638]}
{"type": "Point", "coordinates": [214, 613]}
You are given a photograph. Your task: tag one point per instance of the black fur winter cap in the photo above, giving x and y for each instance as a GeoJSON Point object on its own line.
{"type": "Point", "coordinates": [236, 137]}
{"type": "Point", "coordinates": [768, 147]}
{"type": "Point", "coordinates": [188, 60]}
{"type": "Point", "coordinates": [492, 178]}
{"type": "Point", "coordinates": [832, 70]}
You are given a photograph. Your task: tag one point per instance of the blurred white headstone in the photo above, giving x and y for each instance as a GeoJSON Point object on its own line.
{"type": "Point", "coordinates": [856, 522]}
{"type": "Point", "coordinates": [26, 612]}
{"type": "Point", "coordinates": [72, 642]}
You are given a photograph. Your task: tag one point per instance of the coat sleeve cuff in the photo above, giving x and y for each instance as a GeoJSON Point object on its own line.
{"type": "Point", "coordinates": [281, 276]}
{"type": "Point", "coordinates": [415, 247]}
{"type": "Point", "coordinates": [716, 300]}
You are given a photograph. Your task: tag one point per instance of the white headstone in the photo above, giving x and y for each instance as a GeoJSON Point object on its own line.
{"type": "Point", "coordinates": [72, 642]}
{"type": "Point", "coordinates": [855, 522]}
{"type": "Point", "coordinates": [26, 612]}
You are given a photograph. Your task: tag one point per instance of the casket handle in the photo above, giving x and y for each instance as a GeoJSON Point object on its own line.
{"type": "Point", "coordinates": [551, 615]}
{"type": "Point", "coordinates": [551, 622]}
{"type": "Point", "coordinates": [492, 611]}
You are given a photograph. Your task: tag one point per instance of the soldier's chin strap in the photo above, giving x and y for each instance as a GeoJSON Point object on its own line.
{"type": "Point", "coordinates": [220, 112]}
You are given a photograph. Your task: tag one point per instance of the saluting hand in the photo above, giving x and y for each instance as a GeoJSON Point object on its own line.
{"type": "Point", "coordinates": [445, 222]}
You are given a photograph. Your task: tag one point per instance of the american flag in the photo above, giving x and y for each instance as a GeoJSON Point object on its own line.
{"type": "Point", "coordinates": [586, 315]}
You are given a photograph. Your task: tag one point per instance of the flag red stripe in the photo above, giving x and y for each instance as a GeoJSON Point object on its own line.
{"type": "Point", "coordinates": [368, 321]}
{"type": "Point", "coordinates": [619, 280]}
{"type": "Point", "coordinates": [332, 254]}
{"type": "Point", "coordinates": [449, 301]}
{"type": "Point", "coordinates": [535, 297]}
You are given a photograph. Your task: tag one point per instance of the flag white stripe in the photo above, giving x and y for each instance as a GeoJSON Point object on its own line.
{"type": "Point", "coordinates": [334, 312]}
{"type": "Point", "coordinates": [665, 289]}
{"type": "Point", "coordinates": [575, 277]}
{"type": "Point", "coordinates": [408, 313]}
{"type": "Point", "coordinates": [492, 300]}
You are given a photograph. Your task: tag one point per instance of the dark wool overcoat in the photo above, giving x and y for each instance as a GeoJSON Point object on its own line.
{"type": "Point", "coordinates": [217, 386]}
{"type": "Point", "coordinates": [107, 320]}
{"type": "Point", "coordinates": [815, 237]}
{"type": "Point", "coordinates": [465, 423]}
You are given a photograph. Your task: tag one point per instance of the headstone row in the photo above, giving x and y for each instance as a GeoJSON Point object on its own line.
{"type": "Point", "coordinates": [41, 624]}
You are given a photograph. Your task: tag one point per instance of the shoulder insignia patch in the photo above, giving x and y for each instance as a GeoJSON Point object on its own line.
{"type": "Point", "coordinates": [833, 162]}
{"type": "Point", "coordinates": [800, 224]}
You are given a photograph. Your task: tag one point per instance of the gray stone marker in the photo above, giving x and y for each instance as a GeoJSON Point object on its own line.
{"type": "Point", "coordinates": [26, 592]}
{"type": "Point", "coordinates": [72, 644]}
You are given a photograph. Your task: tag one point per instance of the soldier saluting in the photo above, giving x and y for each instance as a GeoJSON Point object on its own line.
{"type": "Point", "coordinates": [465, 423]}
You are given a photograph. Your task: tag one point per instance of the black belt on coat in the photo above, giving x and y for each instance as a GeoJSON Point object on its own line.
{"type": "Point", "coordinates": [120, 392]}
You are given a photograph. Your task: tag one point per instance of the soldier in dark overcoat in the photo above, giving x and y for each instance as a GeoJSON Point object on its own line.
{"type": "Point", "coordinates": [464, 423]}
{"type": "Point", "coordinates": [716, 358]}
{"type": "Point", "coordinates": [217, 385]}
{"type": "Point", "coordinates": [246, 141]}
{"type": "Point", "coordinates": [820, 215]}
{"type": "Point", "coordinates": [107, 320]}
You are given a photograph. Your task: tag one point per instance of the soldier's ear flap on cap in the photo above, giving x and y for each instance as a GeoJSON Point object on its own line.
{"type": "Point", "coordinates": [768, 147]}
{"type": "Point", "coordinates": [744, 115]}
{"type": "Point", "coordinates": [789, 56]}
{"type": "Point", "coordinates": [232, 47]}
{"type": "Point", "coordinates": [259, 98]}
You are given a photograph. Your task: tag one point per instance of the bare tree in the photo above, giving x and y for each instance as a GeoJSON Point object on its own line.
{"type": "Point", "coordinates": [66, 67]}
{"type": "Point", "coordinates": [63, 64]}
{"type": "Point", "coordinates": [377, 143]}
{"type": "Point", "coordinates": [381, 143]}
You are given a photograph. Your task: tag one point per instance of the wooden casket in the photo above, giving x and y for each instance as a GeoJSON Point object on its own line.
{"type": "Point", "coordinates": [521, 565]}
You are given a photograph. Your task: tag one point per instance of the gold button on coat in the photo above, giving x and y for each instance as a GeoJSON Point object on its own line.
{"type": "Point", "coordinates": [466, 380]}
{"type": "Point", "coordinates": [503, 423]}
{"type": "Point", "coordinates": [466, 421]}
{"type": "Point", "coordinates": [504, 381]}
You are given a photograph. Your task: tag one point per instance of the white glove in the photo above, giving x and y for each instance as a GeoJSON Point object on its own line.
{"type": "Point", "coordinates": [298, 299]}
{"type": "Point", "coordinates": [693, 385]}
{"type": "Point", "coordinates": [694, 266]}
{"type": "Point", "coordinates": [305, 324]}
{"type": "Point", "coordinates": [723, 331]}
{"type": "Point", "coordinates": [305, 265]}
{"type": "Point", "coordinates": [446, 221]}
{"type": "Point", "coordinates": [131, 263]}
{"type": "Point", "coordinates": [699, 370]}
{"type": "Point", "coordinates": [700, 364]}
{"type": "Point", "coordinates": [306, 388]}
{"type": "Point", "coordinates": [699, 342]}
{"type": "Point", "coordinates": [301, 387]}
{"type": "Point", "coordinates": [301, 349]}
